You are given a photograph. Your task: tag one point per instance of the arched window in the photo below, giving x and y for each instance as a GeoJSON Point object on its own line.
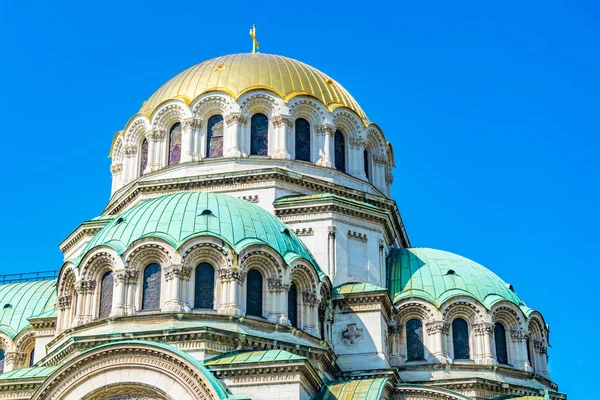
{"type": "Point", "coordinates": [214, 136]}
{"type": "Point", "coordinates": [259, 135]}
{"type": "Point", "coordinates": [175, 144]}
{"type": "Point", "coordinates": [31, 357]}
{"type": "Point", "coordinates": [254, 293]}
{"type": "Point", "coordinates": [302, 139]}
{"type": "Point", "coordinates": [143, 156]}
{"type": "Point", "coordinates": [529, 353]}
{"type": "Point", "coordinates": [367, 165]}
{"type": "Point", "coordinates": [151, 287]}
{"type": "Point", "coordinates": [106, 295]}
{"type": "Point", "coordinates": [460, 339]}
{"type": "Point", "coordinates": [1, 361]}
{"type": "Point", "coordinates": [293, 305]}
{"type": "Point", "coordinates": [340, 151]}
{"type": "Point", "coordinates": [500, 340]}
{"type": "Point", "coordinates": [414, 340]}
{"type": "Point", "coordinates": [204, 286]}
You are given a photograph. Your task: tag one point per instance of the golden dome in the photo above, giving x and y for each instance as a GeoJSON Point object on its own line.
{"type": "Point", "coordinates": [236, 74]}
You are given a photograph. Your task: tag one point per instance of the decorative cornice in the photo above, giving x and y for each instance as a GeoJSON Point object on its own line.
{"type": "Point", "coordinates": [304, 231]}
{"type": "Point", "coordinates": [361, 237]}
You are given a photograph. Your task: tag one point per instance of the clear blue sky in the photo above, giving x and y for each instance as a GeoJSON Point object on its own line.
{"type": "Point", "coordinates": [492, 109]}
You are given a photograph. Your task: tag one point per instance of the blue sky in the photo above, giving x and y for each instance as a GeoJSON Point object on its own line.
{"type": "Point", "coordinates": [492, 109]}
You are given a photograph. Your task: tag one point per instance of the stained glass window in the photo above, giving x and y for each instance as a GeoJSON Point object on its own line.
{"type": "Point", "coordinates": [31, 357]}
{"type": "Point", "coordinates": [500, 340]}
{"type": "Point", "coordinates": [106, 295]}
{"type": "Point", "coordinates": [414, 340]}
{"type": "Point", "coordinates": [340, 151]}
{"type": "Point", "coordinates": [302, 139]}
{"type": "Point", "coordinates": [293, 305]}
{"type": "Point", "coordinates": [1, 361]}
{"type": "Point", "coordinates": [204, 286]}
{"type": "Point", "coordinates": [144, 157]}
{"type": "Point", "coordinates": [460, 339]}
{"type": "Point", "coordinates": [254, 293]}
{"type": "Point", "coordinates": [259, 135]}
{"type": "Point", "coordinates": [175, 144]}
{"type": "Point", "coordinates": [214, 136]}
{"type": "Point", "coordinates": [151, 288]}
{"type": "Point", "coordinates": [366, 161]}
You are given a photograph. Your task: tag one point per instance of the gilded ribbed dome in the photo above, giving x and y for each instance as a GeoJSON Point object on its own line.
{"type": "Point", "coordinates": [236, 74]}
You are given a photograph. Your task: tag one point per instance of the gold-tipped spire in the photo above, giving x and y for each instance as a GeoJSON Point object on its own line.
{"type": "Point", "coordinates": [254, 41]}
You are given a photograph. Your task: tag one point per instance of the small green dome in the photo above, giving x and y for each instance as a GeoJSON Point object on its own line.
{"type": "Point", "coordinates": [176, 218]}
{"type": "Point", "coordinates": [21, 301]}
{"type": "Point", "coordinates": [436, 276]}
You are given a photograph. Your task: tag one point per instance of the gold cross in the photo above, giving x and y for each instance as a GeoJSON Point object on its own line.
{"type": "Point", "coordinates": [254, 41]}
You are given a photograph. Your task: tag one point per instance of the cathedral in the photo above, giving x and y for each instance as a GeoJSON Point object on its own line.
{"type": "Point", "coordinates": [251, 249]}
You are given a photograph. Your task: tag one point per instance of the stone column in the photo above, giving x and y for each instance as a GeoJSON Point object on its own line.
{"type": "Point", "coordinates": [331, 251]}
{"type": "Point", "coordinates": [13, 360]}
{"type": "Point", "coordinates": [279, 290]}
{"type": "Point", "coordinates": [199, 139]}
{"type": "Point", "coordinates": [356, 163]}
{"type": "Point", "coordinates": [395, 332]}
{"type": "Point", "coordinates": [187, 140]}
{"type": "Point", "coordinates": [233, 134]}
{"type": "Point", "coordinates": [174, 276]}
{"type": "Point", "coordinates": [130, 166]}
{"type": "Point", "coordinates": [309, 324]}
{"type": "Point", "coordinates": [518, 342]}
{"type": "Point", "coordinates": [132, 277]}
{"type": "Point", "coordinates": [283, 125]}
{"type": "Point", "coordinates": [382, 277]}
{"type": "Point", "coordinates": [483, 337]}
{"type": "Point", "coordinates": [233, 280]}
{"type": "Point", "coordinates": [379, 172]}
{"type": "Point", "coordinates": [438, 330]}
{"type": "Point", "coordinates": [119, 300]}
{"type": "Point", "coordinates": [90, 288]}
{"type": "Point", "coordinates": [540, 350]}
{"type": "Point", "coordinates": [155, 156]}
{"type": "Point", "coordinates": [326, 132]}
{"type": "Point", "coordinates": [64, 310]}
{"type": "Point", "coordinates": [116, 171]}
{"type": "Point", "coordinates": [80, 303]}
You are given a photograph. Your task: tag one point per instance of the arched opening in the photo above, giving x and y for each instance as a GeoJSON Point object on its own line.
{"type": "Point", "coordinates": [106, 295]}
{"type": "Point", "coordinates": [415, 351]}
{"type": "Point", "coordinates": [214, 136]}
{"type": "Point", "coordinates": [460, 339]}
{"type": "Point", "coordinates": [293, 305]}
{"type": "Point", "coordinates": [367, 163]}
{"type": "Point", "coordinates": [204, 286]}
{"type": "Point", "coordinates": [500, 341]}
{"type": "Point", "coordinates": [339, 142]}
{"type": "Point", "coordinates": [302, 145]}
{"type": "Point", "coordinates": [175, 144]}
{"type": "Point", "coordinates": [2, 356]}
{"type": "Point", "coordinates": [31, 358]}
{"type": "Point", "coordinates": [254, 293]}
{"type": "Point", "coordinates": [143, 156]}
{"type": "Point", "coordinates": [529, 353]}
{"type": "Point", "coordinates": [259, 135]}
{"type": "Point", "coordinates": [151, 287]}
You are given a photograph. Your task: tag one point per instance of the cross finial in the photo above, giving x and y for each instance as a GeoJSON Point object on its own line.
{"type": "Point", "coordinates": [254, 41]}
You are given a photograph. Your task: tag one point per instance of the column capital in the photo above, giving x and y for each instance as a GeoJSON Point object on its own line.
{"type": "Point", "coordinates": [277, 285]}
{"type": "Point", "coordinates": [438, 326]}
{"type": "Point", "coordinates": [130, 151]}
{"type": "Point", "coordinates": [325, 129]}
{"type": "Point", "coordinates": [116, 168]}
{"type": "Point", "coordinates": [64, 301]}
{"type": "Point", "coordinates": [127, 276]}
{"type": "Point", "coordinates": [229, 275]}
{"type": "Point", "coordinates": [235, 118]}
{"type": "Point", "coordinates": [311, 298]}
{"type": "Point", "coordinates": [180, 271]}
{"type": "Point", "coordinates": [482, 328]}
{"type": "Point", "coordinates": [187, 124]}
{"type": "Point", "coordinates": [156, 135]}
{"type": "Point", "coordinates": [331, 232]}
{"type": "Point", "coordinates": [282, 120]}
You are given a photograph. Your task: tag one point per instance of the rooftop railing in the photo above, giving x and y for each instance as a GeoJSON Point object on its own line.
{"type": "Point", "coordinates": [28, 277]}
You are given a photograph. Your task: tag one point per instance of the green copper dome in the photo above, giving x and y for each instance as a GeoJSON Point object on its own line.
{"type": "Point", "coordinates": [176, 218]}
{"type": "Point", "coordinates": [21, 301]}
{"type": "Point", "coordinates": [436, 276]}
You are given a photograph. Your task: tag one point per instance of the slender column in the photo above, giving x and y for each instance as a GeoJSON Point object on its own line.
{"type": "Point", "coordinates": [278, 290]}
{"type": "Point", "coordinates": [394, 332]}
{"type": "Point", "coordinates": [116, 170]}
{"type": "Point", "coordinates": [155, 149]}
{"type": "Point", "coordinates": [382, 278]}
{"type": "Point", "coordinates": [187, 140]}
{"type": "Point", "coordinates": [356, 157]}
{"type": "Point", "coordinates": [79, 313]}
{"type": "Point", "coordinates": [90, 287]}
{"type": "Point", "coordinates": [119, 306]}
{"type": "Point", "coordinates": [12, 360]}
{"type": "Point", "coordinates": [438, 330]}
{"type": "Point", "coordinates": [483, 337]}
{"type": "Point", "coordinates": [326, 132]}
{"type": "Point", "coordinates": [310, 299]}
{"type": "Point", "coordinates": [519, 344]}
{"type": "Point", "coordinates": [331, 251]}
{"type": "Point", "coordinates": [130, 166]}
{"type": "Point", "coordinates": [379, 172]}
{"type": "Point", "coordinates": [174, 276]}
{"type": "Point", "coordinates": [540, 348]}
{"type": "Point", "coordinates": [232, 136]}
{"type": "Point", "coordinates": [199, 139]}
{"type": "Point", "coordinates": [132, 277]}
{"type": "Point", "coordinates": [234, 280]}
{"type": "Point", "coordinates": [64, 309]}
{"type": "Point", "coordinates": [283, 125]}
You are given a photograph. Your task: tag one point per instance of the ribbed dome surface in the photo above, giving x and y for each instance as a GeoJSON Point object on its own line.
{"type": "Point", "coordinates": [436, 276]}
{"type": "Point", "coordinates": [179, 217]}
{"type": "Point", "coordinates": [21, 301]}
{"type": "Point", "coordinates": [236, 74]}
